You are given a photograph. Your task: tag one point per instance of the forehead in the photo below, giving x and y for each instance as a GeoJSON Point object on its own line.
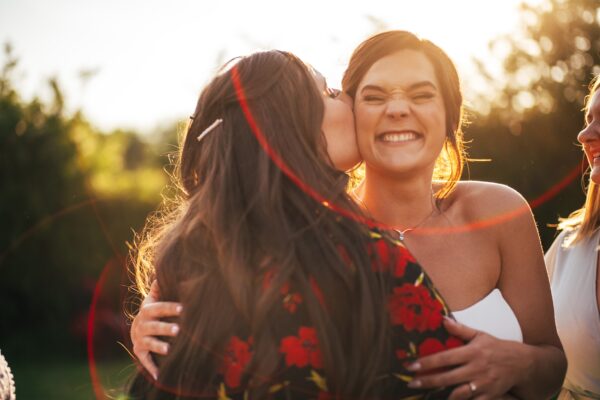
{"type": "Point", "coordinates": [400, 70]}
{"type": "Point", "coordinates": [594, 104]}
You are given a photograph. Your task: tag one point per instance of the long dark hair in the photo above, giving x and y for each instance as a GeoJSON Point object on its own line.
{"type": "Point", "coordinates": [450, 163]}
{"type": "Point", "coordinates": [240, 216]}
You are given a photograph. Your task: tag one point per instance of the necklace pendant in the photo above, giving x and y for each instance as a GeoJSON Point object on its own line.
{"type": "Point", "coordinates": [400, 234]}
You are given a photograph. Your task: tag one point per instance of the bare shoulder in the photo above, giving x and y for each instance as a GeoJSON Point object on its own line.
{"type": "Point", "coordinates": [479, 199]}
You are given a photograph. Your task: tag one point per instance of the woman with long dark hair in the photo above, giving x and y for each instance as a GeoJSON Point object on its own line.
{"type": "Point", "coordinates": [288, 290]}
{"type": "Point", "coordinates": [477, 240]}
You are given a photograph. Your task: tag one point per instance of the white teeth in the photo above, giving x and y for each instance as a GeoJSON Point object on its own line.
{"type": "Point", "coordinates": [399, 137]}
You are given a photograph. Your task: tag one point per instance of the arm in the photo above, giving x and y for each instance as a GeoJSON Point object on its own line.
{"type": "Point", "coordinates": [525, 286]}
{"type": "Point", "coordinates": [530, 370]}
{"type": "Point", "coordinates": [146, 326]}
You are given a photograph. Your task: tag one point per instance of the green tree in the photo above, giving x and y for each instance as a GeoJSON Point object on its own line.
{"type": "Point", "coordinates": [528, 121]}
{"type": "Point", "coordinates": [71, 197]}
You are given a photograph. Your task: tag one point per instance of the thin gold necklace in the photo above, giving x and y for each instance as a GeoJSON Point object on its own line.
{"type": "Point", "coordinates": [402, 232]}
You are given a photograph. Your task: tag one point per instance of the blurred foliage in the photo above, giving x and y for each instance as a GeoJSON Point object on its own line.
{"type": "Point", "coordinates": [528, 121]}
{"type": "Point", "coordinates": [73, 195]}
{"type": "Point", "coordinates": [71, 198]}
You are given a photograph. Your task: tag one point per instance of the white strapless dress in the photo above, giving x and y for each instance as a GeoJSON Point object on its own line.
{"type": "Point", "coordinates": [492, 315]}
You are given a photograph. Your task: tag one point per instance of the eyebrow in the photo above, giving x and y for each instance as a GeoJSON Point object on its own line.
{"type": "Point", "coordinates": [414, 86]}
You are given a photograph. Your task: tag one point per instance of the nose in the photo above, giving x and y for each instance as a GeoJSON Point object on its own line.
{"type": "Point", "coordinates": [589, 133]}
{"type": "Point", "coordinates": [397, 108]}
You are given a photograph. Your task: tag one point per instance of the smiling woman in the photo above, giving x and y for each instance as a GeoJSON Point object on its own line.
{"type": "Point", "coordinates": [408, 108]}
{"type": "Point", "coordinates": [574, 270]}
{"type": "Point", "coordinates": [395, 86]}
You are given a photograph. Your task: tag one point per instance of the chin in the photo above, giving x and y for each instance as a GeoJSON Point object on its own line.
{"type": "Point", "coordinates": [595, 175]}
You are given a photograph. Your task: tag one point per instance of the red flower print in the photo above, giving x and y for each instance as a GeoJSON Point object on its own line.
{"type": "Point", "coordinates": [303, 349]}
{"type": "Point", "coordinates": [325, 396]}
{"type": "Point", "coordinates": [381, 263]}
{"type": "Point", "coordinates": [453, 342]}
{"type": "Point", "coordinates": [386, 251]}
{"type": "Point", "coordinates": [344, 254]}
{"type": "Point", "coordinates": [237, 355]}
{"type": "Point", "coordinates": [401, 354]}
{"type": "Point", "coordinates": [404, 257]}
{"type": "Point", "coordinates": [430, 346]}
{"type": "Point", "coordinates": [317, 291]}
{"type": "Point", "coordinates": [268, 277]}
{"type": "Point", "coordinates": [290, 300]}
{"type": "Point", "coordinates": [414, 308]}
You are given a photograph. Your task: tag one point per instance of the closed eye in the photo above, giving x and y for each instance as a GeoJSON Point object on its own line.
{"type": "Point", "coordinates": [424, 96]}
{"type": "Point", "coordinates": [373, 98]}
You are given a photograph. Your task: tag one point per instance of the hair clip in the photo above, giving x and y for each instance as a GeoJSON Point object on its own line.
{"type": "Point", "coordinates": [212, 126]}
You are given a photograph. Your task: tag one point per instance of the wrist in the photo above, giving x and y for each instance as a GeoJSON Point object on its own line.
{"type": "Point", "coordinates": [526, 362]}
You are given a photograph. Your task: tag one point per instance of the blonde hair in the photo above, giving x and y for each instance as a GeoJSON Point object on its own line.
{"type": "Point", "coordinates": [585, 221]}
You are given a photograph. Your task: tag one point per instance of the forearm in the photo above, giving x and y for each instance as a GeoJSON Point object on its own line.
{"type": "Point", "coordinates": [543, 372]}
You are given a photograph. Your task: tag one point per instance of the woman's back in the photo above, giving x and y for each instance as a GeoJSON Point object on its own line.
{"type": "Point", "coordinates": [414, 308]}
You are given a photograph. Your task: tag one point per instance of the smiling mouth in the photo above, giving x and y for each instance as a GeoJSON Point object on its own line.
{"type": "Point", "coordinates": [398, 137]}
{"type": "Point", "coordinates": [595, 155]}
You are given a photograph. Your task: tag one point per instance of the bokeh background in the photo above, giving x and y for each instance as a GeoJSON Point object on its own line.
{"type": "Point", "coordinates": [93, 95]}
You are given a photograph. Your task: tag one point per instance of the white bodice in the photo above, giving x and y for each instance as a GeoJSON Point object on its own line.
{"type": "Point", "coordinates": [573, 283]}
{"type": "Point", "coordinates": [492, 315]}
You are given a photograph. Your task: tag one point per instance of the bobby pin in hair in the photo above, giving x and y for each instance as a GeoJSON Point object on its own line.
{"type": "Point", "coordinates": [212, 126]}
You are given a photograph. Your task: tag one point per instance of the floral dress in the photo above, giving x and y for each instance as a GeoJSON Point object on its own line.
{"type": "Point", "coordinates": [416, 312]}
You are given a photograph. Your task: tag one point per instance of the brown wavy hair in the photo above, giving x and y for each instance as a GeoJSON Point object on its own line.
{"type": "Point", "coordinates": [450, 163]}
{"type": "Point", "coordinates": [240, 216]}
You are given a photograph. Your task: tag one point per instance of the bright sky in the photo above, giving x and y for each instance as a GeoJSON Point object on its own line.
{"type": "Point", "coordinates": [152, 57]}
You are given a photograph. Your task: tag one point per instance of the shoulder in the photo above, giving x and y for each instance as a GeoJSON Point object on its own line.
{"type": "Point", "coordinates": [477, 191]}
{"type": "Point", "coordinates": [478, 199]}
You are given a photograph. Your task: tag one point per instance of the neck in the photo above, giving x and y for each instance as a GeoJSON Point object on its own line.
{"type": "Point", "coordinates": [401, 203]}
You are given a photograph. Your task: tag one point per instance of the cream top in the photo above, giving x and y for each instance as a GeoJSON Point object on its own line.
{"type": "Point", "coordinates": [573, 284]}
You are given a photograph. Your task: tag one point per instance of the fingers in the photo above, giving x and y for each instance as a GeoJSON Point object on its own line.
{"type": "Point", "coordinates": [157, 328]}
{"type": "Point", "coordinates": [446, 378]}
{"type": "Point", "coordinates": [159, 309]}
{"type": "Point", "coordinates": [148, 364]}
{"type": "Point", "coordinates": [154, 290]}
{"type": "Point", "coordinates": [460, 330]}
{"type": "Point", "coordinates": [154, 345]}
{"type": "Point", "coordinates": [462, 392]}
{"type": "Point", "coordinates": [446, 358]}
{"type": "Point", "coordinates": [147, 321]}
{"type": "Point", "coordinates": [142, 350]}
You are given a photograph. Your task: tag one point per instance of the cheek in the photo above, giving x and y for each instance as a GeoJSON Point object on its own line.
{"type": "Point", "coordinates": [436, 120]}
{"type": "Point", "coordinates": [365, 123]}
{"type": "Point", "coordinates": [588, 157]}
{"type": "Point", "coordinates": [595, 175]}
